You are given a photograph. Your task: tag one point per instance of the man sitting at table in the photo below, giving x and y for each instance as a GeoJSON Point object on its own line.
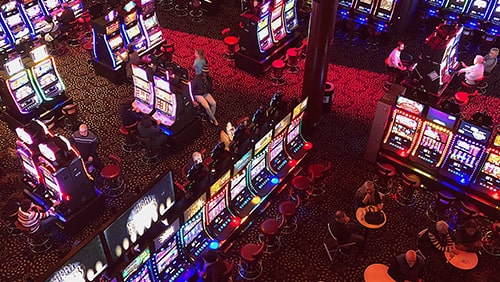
{"type": "Point", "coordinates": [344, 230]}
{"type": "Point", "coordinates": [435, 241]}
{"type": "Point", "coordinates": [367, 195]}
{"type": "Point", "coordinates": [407, 267]}
{"type": "Point", "coordinates": [468, 237]}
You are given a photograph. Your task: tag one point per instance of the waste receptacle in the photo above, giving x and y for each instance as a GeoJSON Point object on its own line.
{"type": "Point", "coordinates": [327, 98]}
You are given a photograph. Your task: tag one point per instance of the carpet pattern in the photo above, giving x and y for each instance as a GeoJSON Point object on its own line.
{"type": "Point", "coordinates": [341, 138]}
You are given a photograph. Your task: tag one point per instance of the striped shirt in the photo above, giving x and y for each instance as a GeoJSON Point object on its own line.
{"type": "Point", "coordinates": [31, 219]}
{"type": "Point", "coordinates": [444, 244]}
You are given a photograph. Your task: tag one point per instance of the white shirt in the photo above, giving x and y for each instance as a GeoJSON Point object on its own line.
{"type": "Point", "coordinates": [394, 60]}
{"type": "Point", "coordinates": [473, 73]}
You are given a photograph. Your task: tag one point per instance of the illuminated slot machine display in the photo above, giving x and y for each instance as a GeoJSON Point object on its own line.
{"type": "Point", "coordinates": [33, 12]}
{"type": "Point", "coordinates": [259, 178]}
{"type": "Point", "coordinates": [130, 28]}
{"type": "Point", "coordinates": [487, 179]}
{"type": "Point", "coordinates": [51, 7]}
{"type": "Point", "coordinates": [465, 153]}
{"type": "Point", "coordinates": [291, 17]}
{"type": "Point", "coordinates": [218, 220]}
{"type": "Point", "coordinates": [362, 10]}
{"type": "Point", "coordinates": [75, 5]}
{"type": "Point", "coordinates": [434, 139]}
{"type": "Point", "coordinates": [456, 7]}
{"type": "Point", "coordinates": [14, 21]}
{"type": "Point", "coordinates": [278, 30]}
{"type": "Point", "coordinates": [5, 41]}
{"type": "Point", "coordinates": [477, 12]}
{"type": "Point", "coordinates": [108, 41]}
{"type": "Point", "coordinates": [140, 269]}
{"type": "Point", "coordinates": [168, 264]}
{"type": "Point", "coordinates": [149, 24]}
{"type": "Point", "coordinates": [241, 200]}
{"type": "Point", "coordinates": [123, 233]}
{"type": "Point", "coordinates": [193, 237]}
{"type": "Point", "coordinates": [296, 146]}
{"type": "Point", "coordinates": [256, 33]}
{"type": "Point", "coordinates": [44, 71]}
{"type": "Point", "coordinates": [493, 18]}
{"type": "Point", "coordinates": [86, 264]}
{"type": "Point", "coordinates": [344, 7]}
{"type": "Point", "coordinates": [24, 97]}
{"type": "Point", "coordinates": [382, 14]}
{"type": "Point", "coordinates": [278, 161]}
{"type": "Point", "coordinates": [405, 125]}
{"type": "Point", "coordinates": [143, 90]}
{"type": "Point", "coordinates": [165, 102]}
{"type": "Point", "coordinates": [449, 62]}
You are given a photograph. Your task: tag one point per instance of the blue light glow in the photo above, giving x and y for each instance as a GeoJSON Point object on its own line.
{"type": "Point", "coordinates": [166, 131]}
{"type": "Point", "coordinates": [275, 180]}
{"type": "Point", "coordinates": [214, 245]}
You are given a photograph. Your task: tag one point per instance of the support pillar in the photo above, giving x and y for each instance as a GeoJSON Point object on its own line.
{"type": "Point", "coordinates": [321, 27]}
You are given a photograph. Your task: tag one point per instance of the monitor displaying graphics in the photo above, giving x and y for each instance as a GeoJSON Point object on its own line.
{"type": "Point", "coordinates": [495, 13]}
{"type": "Point", "coordinates": [474, 132]}
{"type": "Point", "coordinates": [280, 126]}
{"type": "Point", "coordinates": [170, 231]}
{"type": "Point", "coordinates": [14, 66]}
{"type": "Point", "coordinates": [216, 205]}
{"type": "Point", "coordinates": [192, 228]}
{"type": "Point", "coordinates": [262, 143]}
{"type": "Point", "coordinates": [135, 265]}
{"type": "Point", "coordinates": [409, 106]}
{"type": "Point", "coordinates": [195, 207]}
{"type": "Point", "coordinates": [134, 222]}
{"type": "Point", "coordinates": [436, 3]}
{"type": "Point", "coordinates": [85, 265]}
{"type": "Point", "coordinates": [140, 73]}
{"type": "Point", "coordinates": [133, 32]}
{"type": "Point", "coordinates": [496, 141]}
{"type": "Point", "coordinates": [479, 8]}
{"type": "Point", "coordinates": [238, 184]}
{"type": "Point", "coordinates": [386, 4]}
{"type": "Point", "coordinates": [242, 162]}
{"type": "Point", "coordinates": [258, 165]}
{"type": "Point", "coordinates": [457, 6]}
{"type": "Point", "coordinates": [299, 108]}
{"type": "Point", "coordinates": [220, 183]}
{"type": "Point", "coordinates": [441, 118]}
{"type": "Point", "coordinates": [277, 148]}
{"type": "Point", "coordinates": [166, 256]}
{"type": "Point", "coordinates": [115, 42]}
{"type": "Point", "coordinates": [39, 53]}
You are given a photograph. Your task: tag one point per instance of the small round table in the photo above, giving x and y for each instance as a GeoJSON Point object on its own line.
{"type": "Point", "coordinates": [360, 216]}
{"type": "Point", "coordinates": [377, 272]}
{"type": "Point", "coordinates": [463, 260]}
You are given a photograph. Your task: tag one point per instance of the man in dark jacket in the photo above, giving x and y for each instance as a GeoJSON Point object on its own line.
{"type": "Point", "coordinates": [214, 268]}
{"type": "Point", "coordinates": [67, 16]}
{"type": "Point", "coordinates": [86, 143]}
{"type": "Point", "coordinates": [407, 267]}
{"type": "Point", "coordinates": [344, 229]}
{"type": "Point", "coordinates": [148, 128]}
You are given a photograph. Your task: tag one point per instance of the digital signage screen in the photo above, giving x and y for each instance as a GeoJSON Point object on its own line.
{"type": "Point", "coordinates": [474, 132]}
{"type": "Point", "coordinates": [409, 105]}
{"type": "Point", "coordinates": [441, 118]}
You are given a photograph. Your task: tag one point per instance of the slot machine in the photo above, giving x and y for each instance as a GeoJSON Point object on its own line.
{"type": "Point", "coordinates": [75, 5]}
{"type": "Point", "coordinates": [278, 161]}
{"type": "Point", "coordinates": [256, 36]}
{"type": "Point", "coordinates": [434, 139]}
{"type": "Point", "coordinates": [168, 264]}
{"type": "Point", "coordinates": [344, 8]}
{"type": "Point", "coordinates": [23, 98]}
{"type": "Point", "coordinates": [6, 42]}
{"type": "Point", "coordinates": [130, 28]}
{"type": "Point", "coordinates": [487, 180]}
{"type": "Point", "coordinates": [291, 16]}
{"type": "Point", "coordinates": [219, 222]}
{"type": "Point", "coordinates": [260, 180]}
{"type": "Point", "coordinates": [140, 269]}
{"type": "Point", "coordinates": [33, 12]}
{"type": "Point", "coordinates": [296, 146]}
{"type": "Point", "coordinates": [149, 25]}
{"type": "Point", "coordinates": [477, 13]}
{"type": "Point", "coordinates": [362, 10]}
{"type": "Point", "coordinates": [456, 7]}
{"type": "Point", "coordinates": [165, 101]}
{"type": "Point", "coordinates": [465, 153]}
{"type": "Point", "coordinates": [405, 125]}
{"type": "Point", "coordinates": [64, 176]}
{"type": "Point", "coordinates": [143, 90]}
{"type": "Point", "coordinates": [45, 73]}
{"type": "Point", "coordinates": [51, 7]}
{"type": "Point", "coordinates": [107, 42]}
{"type": "Point", "coordinates": [13, 21]}
{"type": "Point", "coordinates": [493, 28]}
{"type": "Point", "coordinates": [193, 237]}
{"type": "Point", "coordinates": [278, 30]}
{"type": "Point", "coordinates": [383, 12]}
{"type": "Point", "coordinates": [241, 200]}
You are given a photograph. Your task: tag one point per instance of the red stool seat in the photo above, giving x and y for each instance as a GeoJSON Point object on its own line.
{"type": "Point", "coordinates": [412, 179]}
{"type": "Point", "coordinates": [278, 64]}
{"type": "Point", "coordinates": [110, 171]}
{"type": "Point", "coordinates": [301, 183]}
{"type": "Point", "coordinates": [469, 208]}
{"type": "Point", "coordinates": [316, 170]}
{"type": "Point", "coordinates": [230, 40]}
{"type": "Point", "coordinates": [445, 197]}
{"type": "Point", "coordinates": [288, 208]}
{"type": "Point", "coordinates": [270, 227]}
{"type": "Point", "coordinates": [462, 98]}
{"type": "Point", "coordinates": [292, 52]}
{"type": "Point", "coordinates": [388, 169]}
{"type": "Point", "coordinates": [124, 131]}
{"type": "Point", "coordinates": [249, 252]}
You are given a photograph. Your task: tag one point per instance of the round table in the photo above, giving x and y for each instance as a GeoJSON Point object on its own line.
{"type": "Point", "coordinates": [360, 216]}
{"type": "Point", "coordinates": [463, 260]}
{"type": "Point", "coordinates": [377, 272]}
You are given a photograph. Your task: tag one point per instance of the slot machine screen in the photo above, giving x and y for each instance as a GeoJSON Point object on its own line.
{"type": "Point", "coordinates": [168, 233]}
{"type": "Point", "coordinates": [166, 255]}
{"type": "Point", "coordinates": [436, 3]}
{"type": "Point", "coordinates": [479, 8]}
{"type": "Point", "coordinates": [264, 8]}
{"type": "Point", "coordinates": [409, 105]}
{"type": "Point", "coordinates": [140, 73]}
{"type": "Point", "coordinates": [28, 163]}
{"type": "Point", "coordinates": [142, 95]}
{"type": "Point", "coordinates": [130, 18]}
{"type": "Point", "coordinates": [278, 147]}
{"type": "Point", "coordinates": [299, 108]}
{"type": "Point", "coordinates": [23, 92]}
{"type": "Point", "coordinates": [164, 85]}
{"type": "Point", "coordinates": [14, 66]}
{"type": "Point", "coordinates": [220, 183]}
{"type": "Point", "coordinates": [346, 3]}
{"type": "Point", "coordinates": [258, 165]}
{"type": "Point", "coordinates": [115, 42]}
{"type": "Point", "coordinates": [51, 4]}
{"type": "Point", "coordinates": [136, 264]}
{"type": "Point", "coordinates": [39, 53]}
{"type": "Point", "coordinates": [47, 79]}
{"type": "Point", "coordinates": [289, 5]}
{"type": "Point", "coordinates": [262, 143]}
{"type": "Point", "coordinates": [19, 80]}
{"type": "Point", "coordinates": [133, 32]}
{"type": "Point", "coordinates": [457, 6]}
{"type": "Point", "coordinates": [85, 265]}
{"type": "Point", "coordinates": [293, 133]}
{"type": "Point", "coordinates": [242, 163]}
{"type": "Point", "coordinates": [192, 228]}
{"type": "Point", "coordinates": [262, 24]}
{"type": "Point", "coordinates": [237, 185]}
{"type": "Point", "coordinates": [386, 5]}
{"type": "Point", "coordinates": [495, 14]}
{"type": "Point", "coordinates": [474, 132]}
{"type": "Point", "coordinates": [144, 85]}
{"type": "Point", "coordinates": [263, 33]}
{"type": "Point", "coordinates": [276, 24]}
{"type": "Point", "coordinates": [129, 6]}
{"type": "Point", "coordinates": [195, 207]}
{"type": "Point", "coordinates": [364, 6]}
{"type": "Point", "coordinates": [489, 175]}
{"type": "Point", "coordinates": [33, 11]}
{"type": "Point", "coordinates": [50, 182]}
{"type": "Point", "coordinates": [112, 28]}
{"type": "Point", "coordinates": [282, 125]}
{"type": "Point", "coordinates": [151, 22]}
{"type": "Point", "coordinates": [9, 6]}
{"type": "Point", "coordinates": [216, 205]}
{"type": "Point", "coordinates": [441, 118]}
{"type": "Point", "coordinates": [164, 102]}
{"type": "Point", "coordinates": [42, 68]}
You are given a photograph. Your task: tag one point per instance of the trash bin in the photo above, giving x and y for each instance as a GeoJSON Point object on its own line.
{"type": "Point", "coordinates": [327, 98]}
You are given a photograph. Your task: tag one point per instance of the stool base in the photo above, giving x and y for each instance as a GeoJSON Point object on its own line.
{"type": "Point", "coordinates": [181, 10]}
{"type": "Point", "coordinates": [196, 17]}
{"type": "Point", "coordinates": [386, 189]}
{"type": "Point", "coordinates": [151, 159]}
{"type": "Point", "coordinates": [130, 147]}
{"type": "Point", "coordinates": [114, 190]}
{"type": "Point", "coordinates": [491, 248]}
{"type": "Point", "coordinates": [271, 248]}
{"type": "Point", "coordinates": [250, 272]}
{"type": "Point", "coordinates": [39, 245]}
{"type": "Point", "coordinates": [435, 215]}
{"type": "Point", "coordinates": [229, 56]}
{"type": "Point", "coordinates": [290, 225]}
{"type": "Point", "coordinates": [278, 81]}
{"type": "Point", "coordinates": [405, 200]}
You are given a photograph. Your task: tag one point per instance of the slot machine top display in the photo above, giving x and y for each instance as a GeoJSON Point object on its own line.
{"type": "Point", "coordinates": [385, 9]}
{"type": "Point", "coordinates": [456, 6]}
{"type": "Point", "coordinates": [479, 9]}
{"type": "Point", "coordinates": [494, 16]}
{"type": "Point", "coordinates": [364, 6]}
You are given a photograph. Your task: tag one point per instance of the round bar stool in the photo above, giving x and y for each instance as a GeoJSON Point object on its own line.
{"type": "Point", "coordinates": [316, 172]}
{"type": "Point", "coordinates": [151, 155]}
{"type": "Point", "coordinates": [439, 209]}
{"type": "Point", "coordinates": [406, 191]}
{"type": "Point", "coordinates": [181, 8]}
{"type": "Point", "coordinates": [70, 113]}
{"type": "Point", "coordinates": [113, 184]}
{"type": "Point", "coordinates": [461, 98]}
{"type": "Point", "coordinates": [196, 13]}
{"type": "Point", "coordinates": [288, 214]}
{"type": "Point", "coordinates": [129, 142]}
{"type": "Point", "coordinates": [292, 55]}
{"type": "Point", "coordinates": [9, 213]}
{"type": "Point", "coordinates": [38, 242]}
{"type": "Point", "coordinates": [84, 22]}
{"type": "Point", "coordinates": [231, 43]}
{"type": "Point", "coordinates": [466, 211]}
{"type": "Point", "coordinates": [250, 266]}
{"type": "Point", "coordinates": [269, 234]}
{"type": "Point", "coordinates": [301, 189]}
{"type": "Point", "coordinates": [384, 179]}
{"type": "Point", "coordinates": [491, 240]}
{"type": "Point", "coordinates": [277, 72]}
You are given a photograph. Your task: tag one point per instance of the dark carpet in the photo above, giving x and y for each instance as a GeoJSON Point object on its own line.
{"type": "Point", "coordinates": [341, 138]}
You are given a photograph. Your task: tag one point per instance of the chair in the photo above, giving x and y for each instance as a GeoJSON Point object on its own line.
{"type": "Point", "coordinates": [74, 34]}
{"type": "Point", "coordinates": [461, 98]}
{"type": "Point", "coordinates": [70, 113]}
{"type": "Point", "coordinates": [151, 155]}
{"type": "Point", "coordinates": [269, 234]}
{"type": "Point", "coordinates": [405, 195]}
{"type": "Point", "coordinates": [288, 214]}
{"type": "Point", "coordinates": [250, 266]}
{"type": "Point", "coordinates": [292, 56]}
{"type": "Point", "coordinates": [277, 67]}
{"type": "Point", "coordinates": [471, 89]}
{"type": "Point", "coordinates": [316, 173]}
{"type": "Point", "coordinates": [181, 8]}
{"type": "Point", "coordinates": [231, 43]}
{"type": "Point", "coordinates": [333, 248]}
{"type": "Point", "coordinates": [38, 242]}
{"type": "Point", "coordinates": [440, 208]}
{"type": "Point", "coordinates": [384, 179]}
{"type": "Point", "coordinates": [129, 142]}
{"type": "Point", "coordinates": [301, 189]}
{"type": "Point", "coordinates": [196, 13]}
{"type": "Point", "coordinates": [491, 240]}
{"type": "Point", "coordinates": [50, 123]}
{"type": "Point", "coordinates": [113, 184]}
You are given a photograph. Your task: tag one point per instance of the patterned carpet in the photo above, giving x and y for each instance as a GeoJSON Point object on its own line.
{"type": "Point", "coordinates": [341, 138]}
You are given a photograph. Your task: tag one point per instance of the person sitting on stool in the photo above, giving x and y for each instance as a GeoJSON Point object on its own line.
{"type": "Point", "coordinates": [435, 242]}
{"type": "Point", "coordinates": [468, 237]}
{"type": "Point", "coordinates": [407, 267]}
{"type": "Point", "coordinates": [50, 32]}
{"type": "Point", "coordinates": [86, 143]}
{"type": "Point", "coordinates": [367, 195]}
{"type": "Point", "coordinates": [396, 67]}
{"type": "Point", "coordinates": [67, 16]}
{"type": "Point", "coordinates": [128, 115]}
{"type": "Point", "coordinates": [30, 216]}
{"type": "Point", "coordinates": [344, 230]}
{"type": "Point", "coordinates": [474, 72]}
{"type": "Point", "coordinates": [202, 87]}
{"type": "Point", "coordinates": [227, 135]}
{"type": "Point", "coordinates": [213, 268]}
{"type": "Point", "coordinates": [490, 61]}
{"type": "Point", "coordinates": [149, 128]}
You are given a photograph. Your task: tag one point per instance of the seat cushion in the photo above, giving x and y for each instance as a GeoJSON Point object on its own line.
{"type": "Point", "coordinates": [110, 171]}
{"type": "Point", "coordinates": [230, 40]}
{"type": "Point", "coordinates": [278, 64]}
{"type": "Point", "coordinates": [248, 252]}
{"type": "Point", "coordinates": [288, 208]}
{"type": "Point", "coordinates": [270, 227]}
{"type": "Point", "coordinates": [301, 182]}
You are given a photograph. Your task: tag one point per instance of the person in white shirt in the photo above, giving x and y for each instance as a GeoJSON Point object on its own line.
{"type": "Point", "coordinates": [474, 72]}
{"type": "Point", "coordinates": [50, 32]}
{"type": "Point", "coordinates": [396, 67]}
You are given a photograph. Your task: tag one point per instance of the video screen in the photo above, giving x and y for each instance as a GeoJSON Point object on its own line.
{"type": "Point", "coordinates": [192, 228]}
{"type": "Point", "coordinates": [479, 8]}
{"type": "Point", "coordinates": [264, 8]}
{"type": "Point", "coordinates": [142, 95]}
{"type": "Point", "coordinates": [14, 66]}
{"type": "Point", "coordinates": [436, 3]}
{"type": "Point", "coordinates": [129, 6]}
{"type": "Point", "coordinates": [169, 232]}
{"type": "Point", "coordinates": [115, 42]}
{"type": "Point", "coordinates": [277, 23]}
{"type": "Point", "coordinates": [216, 205]}
{"type": "Point", "coordinates": [9, 6]}
{"type": "Point", "coordinates": [47, 79]}
{"type": "Point", "coordinates": [220, 183]}
{"type": "Point", "coordinates": [441, 118]}
{"type": "Point", "coordinates": [262, 143]}
{"type": "Point", "coordinates": [130, 18]}
{"type": "Point", "coordinates": [140, 73]}
{"type": "Point", "coordinates": [24, 92]}
{"type": "Point", "coordinates": [51, 4]}
{"type": "Point", "coordinates": [165, 256]}
{"type": "Point", "coordinates": [162, 84]}
{"type": "Point", "coordinates": [238, 183]}
{"type": "Point", "coordinates": [19, 80]}
{"type": "Point", "coordinates": [263, 23]}
{"type": "Point", "coordinates": [473, 131]}
{"type": "Point", "coordinates": [456, 5]}
{"type": "Point", "coordinates": [299, 108]}
{"type": "Point", "coordinates": [258, 165]}
{"type": "Point", "coordinates": [195, 207]}
{"type": "Point", "coordinates": [277, 147]}
{"type": "Point", "coordinates": [409, 105]}
{"type": "Point", "coordinates": [386, 5]}
{"type": "Point", "coordinates": [292, 133]}
{"type": "Point", "coordinates": [242, 163]}
{"type": "Point", "coordinates": [134, 222]}
{"type": "Point", "coordinates": [133, 32]}
{"type": "Point", "coordinates": [280, 126]}
{"type": "Point", "coordinates": [151, 22]}
{"type": "Point", "coordinates": [42, 68]}
{"type": "Point", "coordinates": [492, 165]}
{"type": "Point", "coordinates": [33, 11]}
{"type": "Point", "coordinates": [137, 264]}
{"type": "Point", "coordinates": [365, 6]}
{"type": "Point", "coordinates": [495, 14]}
{"type": "Point", "coordinates": [86, 265]}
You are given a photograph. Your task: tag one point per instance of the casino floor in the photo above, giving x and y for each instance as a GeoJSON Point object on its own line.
{"type": "Point", "coordinates": [341, 138]}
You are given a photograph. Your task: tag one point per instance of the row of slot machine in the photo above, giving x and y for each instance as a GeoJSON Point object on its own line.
{"type": "Point", "coordinates": [378, 13]}
{"type": "Point", "coordinates": [207, 221]}
{"type": "Point", "coordinates": [32, 84]}
{"type": "Point", "coordinates": [454, 151]}
{"type": "Point", "coordinates": [25, 19]}
{"type": "Point", "coordinates": [473, 14]}
{"type": "Point", "coordinates": [135, 23]}
{"type": "Point", "coordinates": [54, 171]}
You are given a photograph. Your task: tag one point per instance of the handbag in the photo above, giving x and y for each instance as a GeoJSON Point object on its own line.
{"type": "Point", "coordinates": [373, 216]}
